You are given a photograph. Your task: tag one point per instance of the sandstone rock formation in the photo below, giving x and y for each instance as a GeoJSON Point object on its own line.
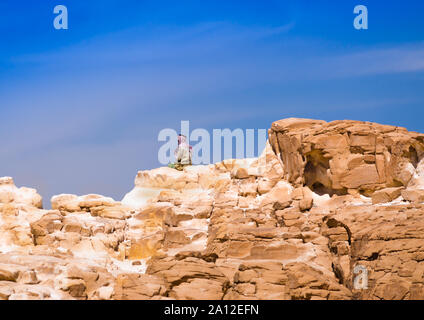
{"type": "Point", "coordinates": [343, 156]}
{"type": "Point", "coordinates": [295, 223]}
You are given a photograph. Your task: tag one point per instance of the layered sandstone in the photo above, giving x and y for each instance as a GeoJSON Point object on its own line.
{"type": "Point", "coordinates": [342, 156]}
{"type": "Point", "coordinates": [294, 223]}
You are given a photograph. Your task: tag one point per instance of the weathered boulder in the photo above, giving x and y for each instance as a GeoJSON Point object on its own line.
{"type": "Point", "coordinates": [73, 203]}
{"type": "Point", "coordinates": [190, 278]}
{"type": "Point", "coordinates": [9, 193]}
{"type": "Point", "coordinates": [386, 195]}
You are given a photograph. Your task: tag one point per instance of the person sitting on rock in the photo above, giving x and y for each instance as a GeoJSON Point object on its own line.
{"type": "Point", "coordinates": [182, 154]}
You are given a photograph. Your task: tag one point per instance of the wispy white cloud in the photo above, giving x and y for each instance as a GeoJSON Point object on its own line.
{"type": "Point", "coordinates": [397, 59]}
{"type": "Point", "coordinates": [136, 45]}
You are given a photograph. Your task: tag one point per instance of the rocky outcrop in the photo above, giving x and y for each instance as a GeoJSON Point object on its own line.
{"type": "Point", "coordinates": [346, 156]}
{"type": "Point", "coordinates": [9, 193]}
{"type": "Point", "coordinates": [328, 211]}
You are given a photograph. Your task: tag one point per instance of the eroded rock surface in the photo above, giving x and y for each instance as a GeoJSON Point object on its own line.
{"type": "Point", "coordinates": [340, 156]}
{"type": "Point", "coordinates": [323, 201]}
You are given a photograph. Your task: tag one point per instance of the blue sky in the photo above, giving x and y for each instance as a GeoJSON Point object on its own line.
{"type": "Point", "coordinates": [81, 108]}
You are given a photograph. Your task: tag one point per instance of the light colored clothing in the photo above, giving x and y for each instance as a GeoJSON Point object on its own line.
{"type": "Point", "coordinates": [183, 155]}
{"type": "Point", "coordinates": [183, 152]}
